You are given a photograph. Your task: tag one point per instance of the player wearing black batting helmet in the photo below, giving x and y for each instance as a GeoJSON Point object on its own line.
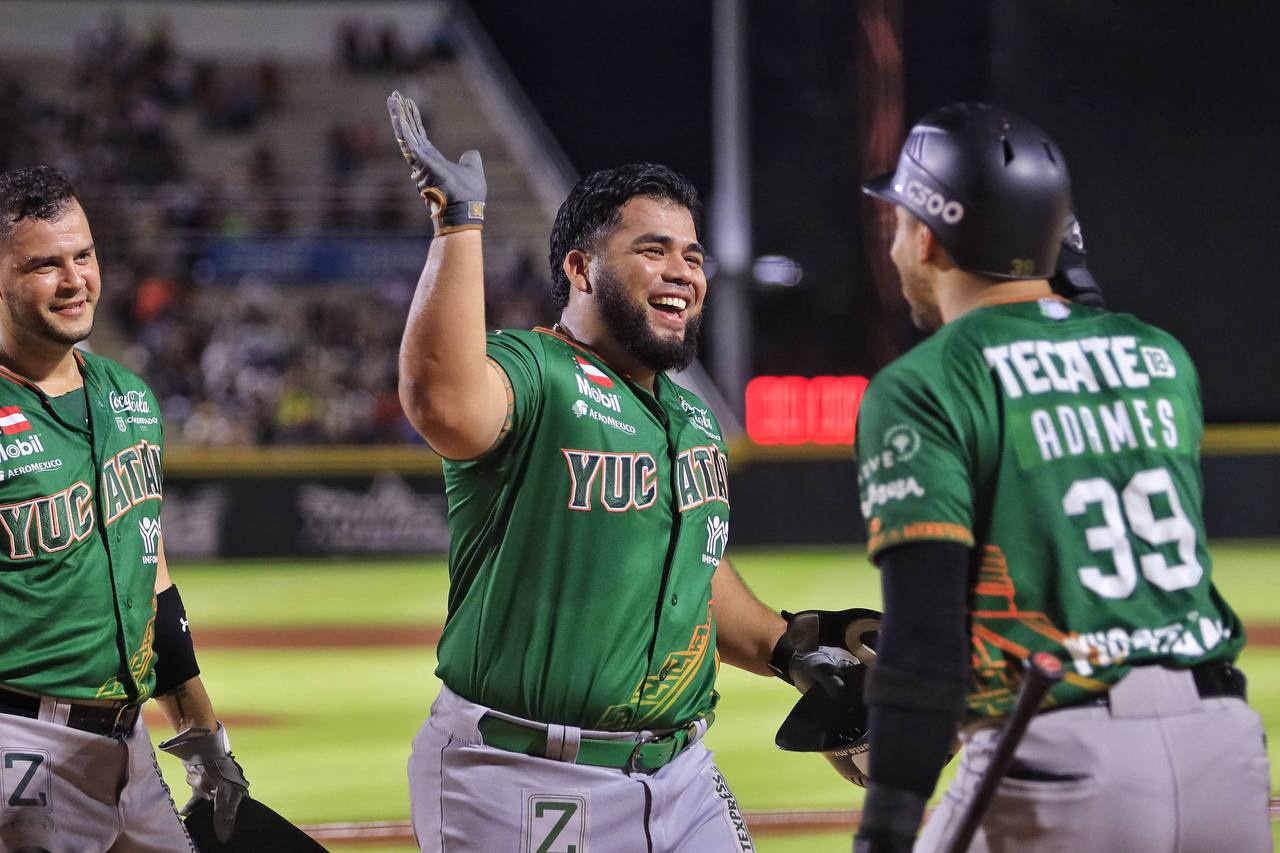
{"type": "Point", "coordinates": [1029, 477]}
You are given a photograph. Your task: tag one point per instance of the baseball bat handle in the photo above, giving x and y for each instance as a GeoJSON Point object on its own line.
{"type": "Point", "coordinates": [1040, 672]}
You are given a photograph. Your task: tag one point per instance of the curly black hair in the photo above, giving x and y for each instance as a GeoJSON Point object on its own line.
{"type": "Point", "coordinates": [594, 208]}
{"type": "Point", "coordinates": [36, 192]}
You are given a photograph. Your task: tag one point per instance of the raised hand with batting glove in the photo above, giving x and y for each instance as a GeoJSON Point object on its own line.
{"type": "Point", "coordinates": [454, 192]}
{"type": "Point", "coordinates": [212, 772]}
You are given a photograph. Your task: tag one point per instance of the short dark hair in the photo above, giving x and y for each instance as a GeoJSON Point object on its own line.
{"type": "Point", "coordinates": [594, 208]}
{"type": "Point", "coordinates": [36, 192]}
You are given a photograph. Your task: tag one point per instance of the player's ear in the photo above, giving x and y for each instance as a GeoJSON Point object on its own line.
{"type": "Point", "coordinates": [929, 250]}
{"type": "Point", "coordinates": [576, 268]}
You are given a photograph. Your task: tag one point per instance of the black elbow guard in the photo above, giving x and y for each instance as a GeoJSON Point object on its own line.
{"type": "Point", "coordinates": [175, 654]}
{"type": "Point", "coordinates": [897, 688]}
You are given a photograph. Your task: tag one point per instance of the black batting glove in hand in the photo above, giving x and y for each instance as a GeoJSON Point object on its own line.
{"type": "Point", "coordinates": [454, 192]}
{"type": "Point", "coordinates": [799, 659]}
{"type": "Point", "coordinates": [212, 773]}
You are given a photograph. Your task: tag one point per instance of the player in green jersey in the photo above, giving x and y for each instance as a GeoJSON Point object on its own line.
{"type": "Point", "coordinates": [91, 626]}
{"type": "Point", "coordinates": [590, 601]}
{"type": "Point", "coordinates": [1029, 476]}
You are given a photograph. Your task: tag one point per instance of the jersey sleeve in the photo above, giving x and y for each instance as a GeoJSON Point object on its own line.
{"type": "Point", "coordinates": [913, 473]}
{"type": "Point", "coordinates": [520, 359]}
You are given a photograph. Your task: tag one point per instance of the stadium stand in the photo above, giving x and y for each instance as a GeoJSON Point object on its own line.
{"type": "Point", "coordinates": [258, 235]}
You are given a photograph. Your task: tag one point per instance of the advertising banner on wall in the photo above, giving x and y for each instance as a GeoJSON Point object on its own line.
{"type": "Point", "coordinates": [790, 501]}
{"type": "Point", "coordinates": [296, 516]}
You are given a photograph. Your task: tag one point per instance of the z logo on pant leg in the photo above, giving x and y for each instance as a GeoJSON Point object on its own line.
{"type": "Point", "coordinates": [555, 823]}
{"type": "Point", "coordinates": [24, 779]}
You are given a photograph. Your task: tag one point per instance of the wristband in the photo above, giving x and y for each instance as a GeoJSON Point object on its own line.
{"type": "Point", "coordinates": [461, 216]}
{"type": "Point", "coordinates": [780, 659]}
{"type": "Point", "coordinates": [175, 654]}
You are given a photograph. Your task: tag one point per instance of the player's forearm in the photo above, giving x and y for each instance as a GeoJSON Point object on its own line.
{"type": "Point", "coordinates": [746, 630]}
{"type": "Point", "coordinates": [189, 705]}
{"type": "Point", "coordinates": [916, 693]}
{"type": "Point", "coordinates": [444, 377]}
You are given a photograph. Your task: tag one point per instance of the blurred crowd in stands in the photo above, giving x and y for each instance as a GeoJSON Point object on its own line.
{"type": "Point", "coordinates": [265, 365]}
{"type": "Point", "coordinates": [255, 363]}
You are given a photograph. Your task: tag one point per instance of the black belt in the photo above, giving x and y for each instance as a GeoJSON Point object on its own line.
{"type": "Point", "coordinates": [105, 720]}
{"type": "Point", "coordinates": [1213, 679]}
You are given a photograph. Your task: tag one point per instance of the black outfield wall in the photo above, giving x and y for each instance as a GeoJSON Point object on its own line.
{"type": "Point", "coordinates": [248, 513]}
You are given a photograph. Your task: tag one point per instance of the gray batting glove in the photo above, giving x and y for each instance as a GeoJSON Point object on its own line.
{"type": "Point", "coordinates": [828, 666]}
{"type": "Point", "coordinates": [212, 773]}
{"type": "Point", "coordinates": [454, 192]}
{"type": "Point", "coordinates": [811, 663]}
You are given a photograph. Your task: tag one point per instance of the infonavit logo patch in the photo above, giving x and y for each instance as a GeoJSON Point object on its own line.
{"type": "Point", "coordinates": [149, 529]}
{"type": "Point", "coordinates": [717, 540]}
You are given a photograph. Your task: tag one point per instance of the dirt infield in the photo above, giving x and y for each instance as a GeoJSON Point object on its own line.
{"type": "Point", "coordinates": [157, 721]}
{"type": "Point", "coordinates": [320, 637]}
{"type": "Point", "coordinates": [762, 823]}
{"type": "Point", "coordinates": [1263, 634]}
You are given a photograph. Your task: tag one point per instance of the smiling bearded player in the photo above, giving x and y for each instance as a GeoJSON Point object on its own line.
{"type": "Point", "coordinates": [589, 511]}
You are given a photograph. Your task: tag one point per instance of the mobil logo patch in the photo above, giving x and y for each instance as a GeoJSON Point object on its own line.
{"type": "Point", "coordinates": [12, 421]}
{"type": "Point", "coordinates": [593, 388]}
{"type": "Point", "coordinates": [28, 446]}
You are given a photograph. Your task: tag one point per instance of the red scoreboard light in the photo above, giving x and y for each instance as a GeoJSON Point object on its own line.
{"type": "Point", "coordinates": [801, 410]}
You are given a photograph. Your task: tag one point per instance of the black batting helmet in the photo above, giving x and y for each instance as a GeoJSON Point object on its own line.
{"type": "Point", "coordinates": [837, 728]}
{"type": "Point", "coordinates": [990, 185]}
{"type": "Point", "coordinates": [258, 829]}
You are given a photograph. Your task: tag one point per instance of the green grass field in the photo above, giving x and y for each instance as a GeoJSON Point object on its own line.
{"type": "Point", "coordinates": [337, 723]}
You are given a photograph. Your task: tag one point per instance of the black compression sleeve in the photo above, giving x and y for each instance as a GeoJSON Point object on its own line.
{"type": "Point", "coordinates": [924, 632]}
{"type": "Point", "coordinates": [175, 655]}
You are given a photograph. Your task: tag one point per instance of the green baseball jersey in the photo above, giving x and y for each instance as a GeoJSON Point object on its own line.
{"type": "Point", "coordinates": [80, 515]}
{"type": "Point", "coordinates": [583, 547]}
{"type": "Point", "coordinates": [1062, 443]}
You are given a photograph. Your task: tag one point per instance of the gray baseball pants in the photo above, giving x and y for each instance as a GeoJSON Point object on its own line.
{"type": "Point", "coordinates": [67, 791]}
{"type": "Point", "coordinates": [1160, 770]}
{"type": "Point", "coordinates": [466, 796]}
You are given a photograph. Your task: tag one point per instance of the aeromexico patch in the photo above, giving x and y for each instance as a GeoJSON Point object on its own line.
{"type": "Point", "coordinates": [593, 373]}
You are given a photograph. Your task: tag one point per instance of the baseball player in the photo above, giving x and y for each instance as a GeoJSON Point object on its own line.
{"type": "Point", "coordinates": [590, 600]}
{"type": "Point", "coordinates": [1030, 482]}
{"type": "Point", "coordinates": [91, 625]}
